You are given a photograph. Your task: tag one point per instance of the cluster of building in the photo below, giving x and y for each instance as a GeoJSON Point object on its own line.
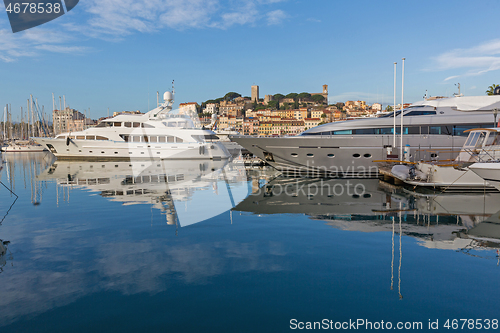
{"type": "Point", "coordinates": [274, 115]}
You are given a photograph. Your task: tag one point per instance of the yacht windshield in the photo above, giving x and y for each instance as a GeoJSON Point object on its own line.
{"type": "Point", "coordinates": [390, 115]}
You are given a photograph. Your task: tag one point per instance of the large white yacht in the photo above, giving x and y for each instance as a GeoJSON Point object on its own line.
{"type": "Point", "coordinates": [155, 134]}
{"type": "Point", "coordinates": [348, 148]}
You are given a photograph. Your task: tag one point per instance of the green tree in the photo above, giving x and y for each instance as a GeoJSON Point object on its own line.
{"type": "Point", "coordinates": [304, 95]}
{"type": "Point", "coordinates": [318, 98]}
{"type": "Point", "coordinates": [339, 105]}
{"type": "Point", "coordinates": [388, 108]}
{"type": "Point", "coordinates": [491, 89]}
{"type": "Point", "coordinates": [272, 104]}
{"type": "Point", "coordinates": [292, 95]}
{"type": "Point", "coordinates": [278, 97]}
{"type": "Point", "coordinates": [231, 95]}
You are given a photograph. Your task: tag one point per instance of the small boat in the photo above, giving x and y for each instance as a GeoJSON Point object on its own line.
{"type": "Point", "coordinates": [482, 145]}
{"type": "Point", "coordinates": [22, 146]}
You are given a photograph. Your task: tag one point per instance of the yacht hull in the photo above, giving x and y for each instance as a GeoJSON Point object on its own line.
{"type": "Point", "coordinates": [490, 172]}
{"type": "Point", "coordinates": [344, 155]}
{"type": "Point", "coordinates": [105, 149]}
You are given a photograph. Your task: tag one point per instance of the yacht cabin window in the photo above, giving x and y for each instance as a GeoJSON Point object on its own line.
{"type": "Point", "coordinates": [420, 113]}
{"type": "Point", "coordinates": [475, 139]}
{"type": "Point", "coordinates": [492, 139]}
{"type": "Point", "coordinates": [127, 124]}
{"type": "Point", "coordinates": [136, 124]}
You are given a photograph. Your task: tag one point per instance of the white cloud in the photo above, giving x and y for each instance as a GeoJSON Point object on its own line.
{"type": "Point", "coordinates": [113, 20]}
{"type": "Point", "coordinates": [29, 43]}
{"type": "Point", "coordinates": [476, 60]}
{"type": "Point", "coordinates": [276, 17]}
{"type": "Point", "coordinates": [120, 18]}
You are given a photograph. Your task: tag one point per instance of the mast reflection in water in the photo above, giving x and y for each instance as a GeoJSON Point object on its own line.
{"type": "Point", "coordinates": [207, 245]}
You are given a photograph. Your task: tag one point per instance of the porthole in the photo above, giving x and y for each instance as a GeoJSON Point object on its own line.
{"type": "Point", "coordinates": [367, 195]}
{"type": "Point", "coordinates": [434, 155]}
{"type": "Point", "coordinates": [356, 155]}
{"type": "Point", "coordinates": [294, 154]}
{"type": "Point", "coordinates": [367, 155]}
{"type": "Point", "coordinates": [355, 196]}
{"type": "Point", "coordinates": [310, 155]}
{"type": "Point", "coordinates": [331, 155]}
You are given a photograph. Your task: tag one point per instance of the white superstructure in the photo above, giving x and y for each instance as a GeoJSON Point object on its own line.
{"type": "Point", "coordinates": [155, 134]}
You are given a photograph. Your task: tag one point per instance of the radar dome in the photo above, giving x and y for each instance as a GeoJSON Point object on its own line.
{"type": "Point", "coordinates": [167, 96]}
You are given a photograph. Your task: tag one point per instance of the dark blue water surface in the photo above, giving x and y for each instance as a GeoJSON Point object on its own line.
{"type": "Point", "coordinates": [82, 258]}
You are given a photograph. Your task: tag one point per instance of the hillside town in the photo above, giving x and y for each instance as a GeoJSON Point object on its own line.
{"type": "Point", "coordinates": [277, 115]}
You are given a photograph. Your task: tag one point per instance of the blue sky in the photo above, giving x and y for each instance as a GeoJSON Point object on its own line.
{"type": "Point", "coordinates": [117, 54]}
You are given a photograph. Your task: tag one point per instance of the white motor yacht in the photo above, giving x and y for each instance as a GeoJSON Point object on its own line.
{"type": "Point", "coordinates": [348, 148]}
{"type": "Point", "coordinates": [155, 134]}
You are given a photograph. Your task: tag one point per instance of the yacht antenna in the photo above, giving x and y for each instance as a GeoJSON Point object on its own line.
{"type": "Point", "coordinates": [402, 107]}
{"type": "Point", "coordinates": [459, 94]}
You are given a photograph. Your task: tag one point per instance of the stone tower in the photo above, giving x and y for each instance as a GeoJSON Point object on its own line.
{"type": "Point", "coordinates": [325, 93]}
{"type": "Point", "coordinates": [255, 93]}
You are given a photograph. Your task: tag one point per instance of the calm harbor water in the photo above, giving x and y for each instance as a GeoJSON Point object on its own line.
{"type": "Point", "coordinates": [194, 246]}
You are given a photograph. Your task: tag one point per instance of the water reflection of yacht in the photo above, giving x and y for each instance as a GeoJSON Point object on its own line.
{"type": "Point", "coordinates": [204, 187]}
{"type": "Point", "coordinates": [438, 221]}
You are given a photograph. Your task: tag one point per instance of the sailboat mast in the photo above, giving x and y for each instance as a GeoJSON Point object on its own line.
{"type": "Point", "coordinates": [22, 124]}
{"type": "Point", "coordinates": [4, 123]}
{"type": "Point", "coordinates": [28, 116]}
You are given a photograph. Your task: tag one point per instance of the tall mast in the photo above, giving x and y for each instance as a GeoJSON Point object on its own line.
{"type": "Point", "coordinates": [32, 116]}
{"type": "Point", "coordinates": [28, 116]}
{"type": "Point", "coordinates": [4, 123]}
{"type": "Point", "coordinates": [22, 124]}
{"type": "Point", "coordinates": [394, 109]}
{"type": "Point", "coordinates": [402, 107]}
